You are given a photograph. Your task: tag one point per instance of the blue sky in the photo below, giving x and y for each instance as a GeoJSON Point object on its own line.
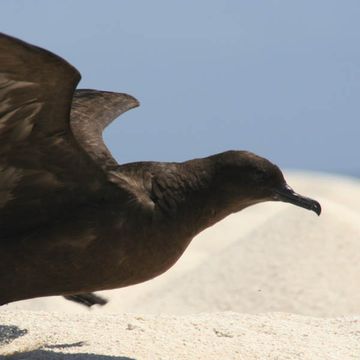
{"type": "Point", "coordinates": [279, 78]}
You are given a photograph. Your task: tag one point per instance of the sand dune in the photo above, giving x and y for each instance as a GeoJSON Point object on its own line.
{"type": "Point", "coordinates": [294, 263]}
{"type": "Point", "coordinates": [270, 257]}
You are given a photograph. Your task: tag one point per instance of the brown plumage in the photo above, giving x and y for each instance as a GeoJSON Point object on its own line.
{"type": "Point", "coordinates": [72, 220]}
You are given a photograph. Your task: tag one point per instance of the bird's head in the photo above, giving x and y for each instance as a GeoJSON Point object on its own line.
{"type": "Point", "coordinates": [244, 179]}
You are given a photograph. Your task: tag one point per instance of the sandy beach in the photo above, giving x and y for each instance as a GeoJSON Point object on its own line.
{"type": "Point", "coordinates": [223, 335]}
{"type": "Point", "coordinates": [271, 282]}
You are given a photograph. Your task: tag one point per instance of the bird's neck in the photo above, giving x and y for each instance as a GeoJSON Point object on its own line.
{"type": "Point", "coordinates": [184, 198]}
{"type": "Point", "coordinates": [195, 202]}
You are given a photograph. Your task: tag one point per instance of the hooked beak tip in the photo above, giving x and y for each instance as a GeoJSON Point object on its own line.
{"type": "Point", "coordinates": [287, 194]}
{"type": "Point", "coordinates": [316, 207]}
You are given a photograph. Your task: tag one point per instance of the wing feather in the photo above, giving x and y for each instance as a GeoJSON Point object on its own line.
{"type": "Point", "coordinates": [91, 112]}
{"type": "Point", "coordinates": [46, 167]}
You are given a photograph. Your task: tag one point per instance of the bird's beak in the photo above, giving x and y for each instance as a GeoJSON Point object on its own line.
{"type": "Point", "coordinates": [287, 194]}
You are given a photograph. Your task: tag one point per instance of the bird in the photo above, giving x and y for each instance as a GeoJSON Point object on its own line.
{"type": "Point", "coordinates": [72, 219]}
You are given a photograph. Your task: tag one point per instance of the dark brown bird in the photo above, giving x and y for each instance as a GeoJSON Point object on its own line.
{"type": "Point", "coordinates": [72, 220]}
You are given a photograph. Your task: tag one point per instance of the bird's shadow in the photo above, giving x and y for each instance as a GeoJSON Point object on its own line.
{"type": "Point", "coordinates": [50, 355]}
{"type": "Point", "coordinates": [8, 333]}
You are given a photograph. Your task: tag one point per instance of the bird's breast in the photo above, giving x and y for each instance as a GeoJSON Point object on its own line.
{"type": "Point", "coordinates": [142, 255]}
{"type": "Point", "coordinates": [87, 254]}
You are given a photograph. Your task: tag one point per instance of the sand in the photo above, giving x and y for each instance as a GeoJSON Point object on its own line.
{"type": "Point", "coordinates": [226, 335]}
{"type": "Point", "coordinates": [272, 282]}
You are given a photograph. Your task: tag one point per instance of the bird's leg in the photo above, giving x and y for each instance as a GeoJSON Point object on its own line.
{"type": "Point", "coordinates": [87, 299]}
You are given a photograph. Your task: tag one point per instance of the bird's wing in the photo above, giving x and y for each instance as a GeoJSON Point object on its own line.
{"type": "Point", "coordinates": [91, 112]}
{"type": "Point", "coordinates": [36, 88]}
{"type": "Point", "coordinates": [44, 168]}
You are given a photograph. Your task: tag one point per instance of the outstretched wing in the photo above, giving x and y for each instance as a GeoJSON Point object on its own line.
{"type": "Point", "coordinates": [91, 112]}
{"type": "Point", "coordinates": [36, 89]}
{"type": "Point", "coordinates": [44, 168]}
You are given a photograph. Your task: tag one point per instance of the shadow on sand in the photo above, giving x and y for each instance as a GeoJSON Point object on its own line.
{"type": "Point", "coordinates": [8, 333]}
{"type": "Point", "coordinates": [50, 355]}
